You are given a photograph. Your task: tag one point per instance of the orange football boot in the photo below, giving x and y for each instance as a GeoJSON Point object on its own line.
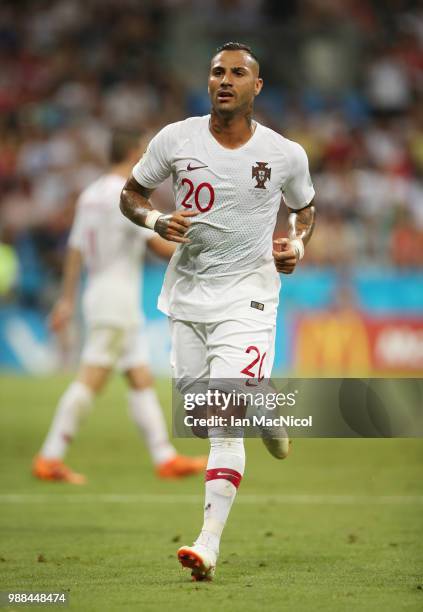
{"type": "Point", "coordinates": [180, 466]}
{"type": "Point", "coordinates": [55, 469]}
{"type": "Point", "coordinates": [201, 560]}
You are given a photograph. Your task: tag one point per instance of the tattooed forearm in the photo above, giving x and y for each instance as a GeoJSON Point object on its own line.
{"type": "Point", "coordinates": [301, 223]}
{"type": "Point", "coordinates": [134, 202]}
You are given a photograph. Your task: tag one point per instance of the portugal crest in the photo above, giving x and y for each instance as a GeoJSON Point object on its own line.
{"type": "Point", "coordinates": [261, 173]}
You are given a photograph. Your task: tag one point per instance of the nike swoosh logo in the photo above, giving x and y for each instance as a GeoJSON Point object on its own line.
{"type": "Point", "coordinates": [190, 168]}
{"type": "Point", "coordinates": [223, 474]}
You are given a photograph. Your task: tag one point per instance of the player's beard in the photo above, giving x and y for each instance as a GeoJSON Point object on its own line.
{"type": "Point", "coordinates": [244, 109]}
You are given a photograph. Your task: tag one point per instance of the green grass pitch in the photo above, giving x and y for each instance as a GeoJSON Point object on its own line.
{"type": "Point", "coordinates": [337, 526]}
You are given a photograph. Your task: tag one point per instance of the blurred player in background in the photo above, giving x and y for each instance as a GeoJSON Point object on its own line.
{"type": "Point", "coordinates": [221, 289]}
{"type": "Point", "coordinates": [112, 249]}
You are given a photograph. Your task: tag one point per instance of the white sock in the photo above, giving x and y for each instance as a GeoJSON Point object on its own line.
{"type": "Point", "coordinates": [225, 469]}
{"type": "Point", "coordinates": [147, 414]}
{"type": "Point", "coordinates": [72, 406]}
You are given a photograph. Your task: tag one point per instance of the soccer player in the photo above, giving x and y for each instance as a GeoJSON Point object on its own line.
{"type": "Point", "coordinates": [112, 249]}
{"type": "Point", "coordinates": [221, 288]}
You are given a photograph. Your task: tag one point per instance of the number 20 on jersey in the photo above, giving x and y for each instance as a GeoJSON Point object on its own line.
{"type": "Point", "coordinates": [203, 195]}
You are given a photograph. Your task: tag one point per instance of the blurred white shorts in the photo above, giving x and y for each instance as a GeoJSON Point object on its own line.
{"type": "Point", "coordinates": [115, 347]}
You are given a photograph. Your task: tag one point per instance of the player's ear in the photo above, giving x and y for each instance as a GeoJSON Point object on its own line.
{"type": "Point", "coordinates": [258, 86]}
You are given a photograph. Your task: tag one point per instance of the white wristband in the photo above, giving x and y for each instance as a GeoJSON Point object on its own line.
{"type": "Point", "coordinates": [151, 218]}
{"type": "Point", "coordinates": [298, 245]}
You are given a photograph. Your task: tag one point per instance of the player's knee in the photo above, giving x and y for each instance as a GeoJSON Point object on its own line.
{"type": "Point", "coordinates": [93, 378]}
{"type": "Point", "coordinates": [198, 428]}
{"type": "Point", "coordinates": [200, 432]}
{"type": "Point", "coordinates": [140, 378]}
{"type": "Point", "coordinates": [188, 389]}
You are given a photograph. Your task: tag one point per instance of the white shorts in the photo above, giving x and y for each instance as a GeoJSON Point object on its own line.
{"type": "Point", "coordinates": [115, 347]}
{"type": "Point", "coordinates": [241, 350]}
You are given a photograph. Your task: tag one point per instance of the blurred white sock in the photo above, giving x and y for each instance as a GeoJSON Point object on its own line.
{"type": "Point", "coordinates": [72, 406]}
{"type": "Point", "coordinates": [147, 413]}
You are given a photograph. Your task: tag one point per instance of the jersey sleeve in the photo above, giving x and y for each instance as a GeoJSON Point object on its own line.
{"type": "Point", "coordinates": [156, 163]}
{"type": "Point", "coordinates": [298, 191]}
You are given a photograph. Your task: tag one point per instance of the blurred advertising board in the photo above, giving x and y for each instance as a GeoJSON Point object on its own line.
{"type": "Point", "coordinates": [347, 341]}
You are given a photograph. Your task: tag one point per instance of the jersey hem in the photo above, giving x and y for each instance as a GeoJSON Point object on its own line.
{"type": "Point", "coordinates": [224, 317]}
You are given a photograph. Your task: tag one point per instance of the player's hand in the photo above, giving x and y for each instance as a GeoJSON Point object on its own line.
{"type": "Point", "coordinates": [60, 315]}
{"type": "Point", "coordinates": [173, 227]}
{"type": "Point", "coordinates": [284, 255]}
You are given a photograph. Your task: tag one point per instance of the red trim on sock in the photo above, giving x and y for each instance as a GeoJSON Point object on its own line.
{"type": "Point", "coordinates": [226, 473]}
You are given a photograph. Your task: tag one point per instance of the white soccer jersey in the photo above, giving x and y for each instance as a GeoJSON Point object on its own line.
{"type": "Point", "coordinates": [112, 248]}
{"type": "Point", "coordinates": [227, 271]}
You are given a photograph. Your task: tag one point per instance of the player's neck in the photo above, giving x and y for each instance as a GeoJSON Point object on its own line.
{"type": "Point", "coordinates": [232, 132]}
{"type": "Point", "coordinates": [122, 169]}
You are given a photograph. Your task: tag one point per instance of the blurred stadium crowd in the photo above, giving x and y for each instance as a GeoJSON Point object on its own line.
{"type": "Point", "coordinates": [345, 79]}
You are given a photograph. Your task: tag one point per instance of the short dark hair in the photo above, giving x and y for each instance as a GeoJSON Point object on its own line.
{"type": "Point", "coordinates": [122, 142]}
{"type": "Point", "coordinates": [236, 46]}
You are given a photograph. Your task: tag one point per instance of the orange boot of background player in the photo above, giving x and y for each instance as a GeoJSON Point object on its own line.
{"type": "Point", "coordinates": [55, 469]}
{"type": "Point", "coordinates": [181, 466]}
{"type": "Point", "coordinates": [177, 467]}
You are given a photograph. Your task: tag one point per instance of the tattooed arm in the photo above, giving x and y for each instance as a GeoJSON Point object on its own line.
{"type": "Point", "coordinates": [288, 251]}
{"type": "Point", "coordinates": [135, 205]}
{"type": "Point", "coordinates": [134, 202]}
{"type": "Point", "coordinates": [301, 223]}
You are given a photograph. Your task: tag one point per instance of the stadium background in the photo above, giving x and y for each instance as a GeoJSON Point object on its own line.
{"type": "Point", "coordinates": [342, 78]}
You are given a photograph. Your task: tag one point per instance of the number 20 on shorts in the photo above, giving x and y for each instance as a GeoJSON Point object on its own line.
{"type": "Point", "coordinates": [258, 359]}
{"type": "Point", "coordinates": [200, 190]}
